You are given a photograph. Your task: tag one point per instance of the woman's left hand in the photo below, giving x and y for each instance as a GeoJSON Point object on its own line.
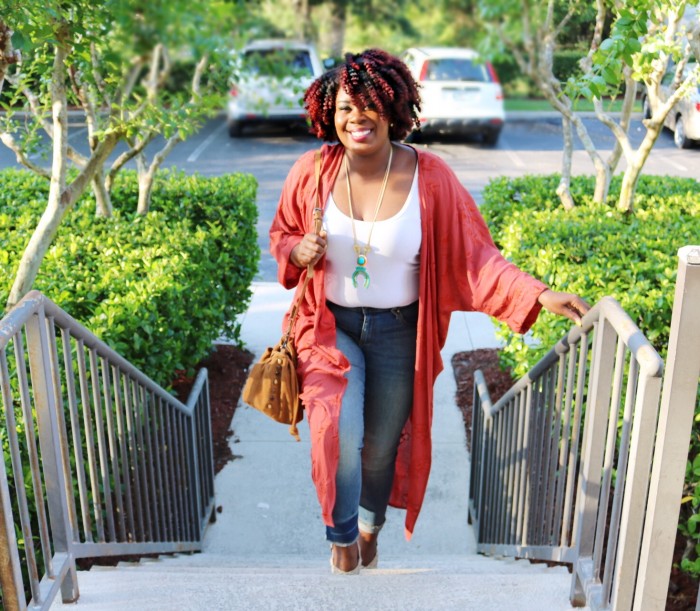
{"type": "Point", "coordinates": [564, 304]}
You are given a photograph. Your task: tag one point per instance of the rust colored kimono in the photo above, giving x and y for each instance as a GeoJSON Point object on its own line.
{"type": "Point", "coordinates": [460, 270]}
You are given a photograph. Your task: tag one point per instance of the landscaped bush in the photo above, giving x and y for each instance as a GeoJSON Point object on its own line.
{"type": "Point", "coordinates": [565, 63]}
{"type": "Point", "coordinates": [160, 288]}
{"type": "Point", "coordinates": [595, 250]}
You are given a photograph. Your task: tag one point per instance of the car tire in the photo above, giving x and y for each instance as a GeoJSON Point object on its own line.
{"type": "Point", "coordinates": [679, 138]}
{"type": "Point", "coordinates": [646, 107]}
{"type": "Point", "coordinates": [490, 138]}
{"type": "Point", "coordinates": [235, 129]}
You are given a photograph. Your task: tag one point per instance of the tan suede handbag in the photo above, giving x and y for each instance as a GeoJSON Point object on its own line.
{"type": "Point", "coordinates": [272, 386]}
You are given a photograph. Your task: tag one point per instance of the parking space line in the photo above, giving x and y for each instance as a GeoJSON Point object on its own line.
{"type": "Point", "coordinates": [517, 161]}
{"type": "Point", "coordinates": [673, 164]}
{"type": "Point", "coordinates": [77, 132]}
{"type": "Point", "coordinates": [200, 149]}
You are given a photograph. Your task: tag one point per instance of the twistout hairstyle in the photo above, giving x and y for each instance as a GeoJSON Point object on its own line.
{"type": "Point", "coordinates": [371, 78]}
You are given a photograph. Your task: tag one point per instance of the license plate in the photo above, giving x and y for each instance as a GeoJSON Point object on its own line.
{"type": "Point", "coordinates": [461, 95]}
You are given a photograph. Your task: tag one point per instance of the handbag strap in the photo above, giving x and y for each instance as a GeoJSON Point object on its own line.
{"type": "Point", "coordinates": [318, 218]}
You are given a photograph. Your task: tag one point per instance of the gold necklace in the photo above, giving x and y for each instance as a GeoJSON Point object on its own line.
{"type": "Point", "coordinates": [361, 252]}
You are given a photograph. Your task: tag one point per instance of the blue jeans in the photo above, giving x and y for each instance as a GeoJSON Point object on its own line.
{"type": "Point", "coordinates": [381, 347]}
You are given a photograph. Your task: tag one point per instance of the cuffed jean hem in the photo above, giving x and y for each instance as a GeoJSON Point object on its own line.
{"type": "Point", "coordinates": [369, 528]}
{"type": "Point", "coordinates": [343, 534]}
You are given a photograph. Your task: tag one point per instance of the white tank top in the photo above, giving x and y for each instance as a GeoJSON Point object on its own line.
{"type": "Point", "coordinates": [392, 262]}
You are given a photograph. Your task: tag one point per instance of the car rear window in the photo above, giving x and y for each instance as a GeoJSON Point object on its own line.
{"type": "Point", "coordinates": [279, 62]}
{"type": "Point", "coordinates": [454, 69]}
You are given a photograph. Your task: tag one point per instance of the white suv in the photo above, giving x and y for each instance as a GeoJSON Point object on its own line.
{"type": "Point", "coordinates": [684, 118]}
{"type": "Point", "coordinates": [270, 78]}
{"type": "Point", "coordinates": [460, 94]}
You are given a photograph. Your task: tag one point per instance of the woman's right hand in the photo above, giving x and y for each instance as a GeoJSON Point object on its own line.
{"type": "Point", "coordinates": [311, 248]}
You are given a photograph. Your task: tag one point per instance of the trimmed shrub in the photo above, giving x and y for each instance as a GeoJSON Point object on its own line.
{"type": "Point", "coordinates": [595, 250]}
{"type": "Point", "coordinates": [565, 63]}
{"type": "Point", "coordinates": [159, 288]}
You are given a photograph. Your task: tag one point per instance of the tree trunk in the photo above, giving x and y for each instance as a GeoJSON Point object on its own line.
{"type": "Point", "coordinates": [625, 203]}
{"type": "Point", "coordinates": [38, 245]}
{"type": "Point", "coordinates": [303, 22]}
{"type": "Point", "coordinates": [55, 209]}
{"type": "Point", "coordinates": [602, 172]}
{"type": "Point", "coordinates": [627, 107]}
{"type": "Point", "coordinates": [60, 203]}
{"type": "Point", "coordinates": [145, 180]}
{"type": "Point", "coordinates": [147, 174]}
{"type": "Point", "coordinates": [564, 188]}
{"type": "Point", "coordinates": [103, 199]}
{"type": "Point", "coordinates": [7, 53]}
{"type": "Point", "coordinates": [629, 185]}
{"type": "Point", "coordinates": [543, 75]}
{"type": "Point", "coordinates": [563, 104]}
{"type": "Point", "coordinates": [337, 27]}
{"type": "Point", "coordinates": [145, 190]}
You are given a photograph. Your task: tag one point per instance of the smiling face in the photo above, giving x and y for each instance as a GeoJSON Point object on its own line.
{"type": "Point", "coordinates": [360, 130]}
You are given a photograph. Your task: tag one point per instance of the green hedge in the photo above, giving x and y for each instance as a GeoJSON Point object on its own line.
{"type": "Point", "coordinates": [565, 63]}
{"type": "Point", "coordinates": [595, 250]}
{"type": "Point", "coordinates": [160, 288]}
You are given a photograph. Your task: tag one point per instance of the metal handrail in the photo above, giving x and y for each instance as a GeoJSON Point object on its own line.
{"type": "Point", "coordinates": [562, 458]}
{"type": "Point", "coordinates": [104, 461]}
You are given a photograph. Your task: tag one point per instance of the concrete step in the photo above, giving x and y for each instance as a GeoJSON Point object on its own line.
{"type": "Point", "coordinates": [223, 582]}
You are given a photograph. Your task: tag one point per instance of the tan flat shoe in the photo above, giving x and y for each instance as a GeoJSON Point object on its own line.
{"type": "Point", "coordinates": [372, 563]}
{"type": "Point", "coordinates": [354, 571]}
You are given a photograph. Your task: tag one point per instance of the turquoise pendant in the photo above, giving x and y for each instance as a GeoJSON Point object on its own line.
{"type": "Point", "coordinates": [360, 270]}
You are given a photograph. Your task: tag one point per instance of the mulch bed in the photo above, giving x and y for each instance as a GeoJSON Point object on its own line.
{"type": "Point", "coordinates": [227, 368]}
{"type": "Point", "coordinates": [498, 380]}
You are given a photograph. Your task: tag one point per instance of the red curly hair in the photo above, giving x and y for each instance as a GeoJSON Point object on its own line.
{"type": "Point", "coordinates": [371, 78]}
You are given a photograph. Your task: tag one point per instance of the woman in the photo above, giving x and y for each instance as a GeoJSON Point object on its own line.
{"type": "Point", "coordinates": [403, 246]}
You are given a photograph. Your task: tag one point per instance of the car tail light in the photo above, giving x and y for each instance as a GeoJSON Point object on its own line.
{"type": "Point", "coordinates": [499, 93]}
{"type": "Point", "coordinates": [697, 106]}
{"type": "Point", "coordinates": [492, 72]}
{"type": "Point", "coordinates": [423, 71]}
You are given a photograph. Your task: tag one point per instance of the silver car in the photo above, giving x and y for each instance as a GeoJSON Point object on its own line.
{"type": "Point", "coordinates": [460, 93]}
{"type": "Point", "coordinates": [684, 118]}
{"type": "Point", "coordinates": [270, 78]}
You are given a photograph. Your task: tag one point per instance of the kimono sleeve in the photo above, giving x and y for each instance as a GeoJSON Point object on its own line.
{"type": "Point", "coordinates": [485, 280]}
{"type": "Point", "coordinates": [288, 226]}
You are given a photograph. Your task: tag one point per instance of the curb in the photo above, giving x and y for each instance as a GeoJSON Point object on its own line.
{"type": "Point", "coordinates": [534, 115]}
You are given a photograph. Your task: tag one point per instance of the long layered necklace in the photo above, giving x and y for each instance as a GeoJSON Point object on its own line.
{"type": "Point", "coordinates": [361, 252]}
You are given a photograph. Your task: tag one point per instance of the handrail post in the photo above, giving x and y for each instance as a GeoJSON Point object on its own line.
{"type": "Point", "coordinates": [10, 574]}
{"type": "Point", "coordinates": [675, 424]}
{"type": "Point", "coordinates": [592, 450]}
{"type": "Point", "coordinates": [479, 424]}
{"type": "Point", "coordinates": [51, 451]}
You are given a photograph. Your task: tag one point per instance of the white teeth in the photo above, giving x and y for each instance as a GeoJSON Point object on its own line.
{"type": "Point", "coordinates": [360, 133]}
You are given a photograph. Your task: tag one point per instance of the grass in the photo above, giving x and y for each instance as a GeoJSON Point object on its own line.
{"type": "Point", "coordinates": [581, 105]}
